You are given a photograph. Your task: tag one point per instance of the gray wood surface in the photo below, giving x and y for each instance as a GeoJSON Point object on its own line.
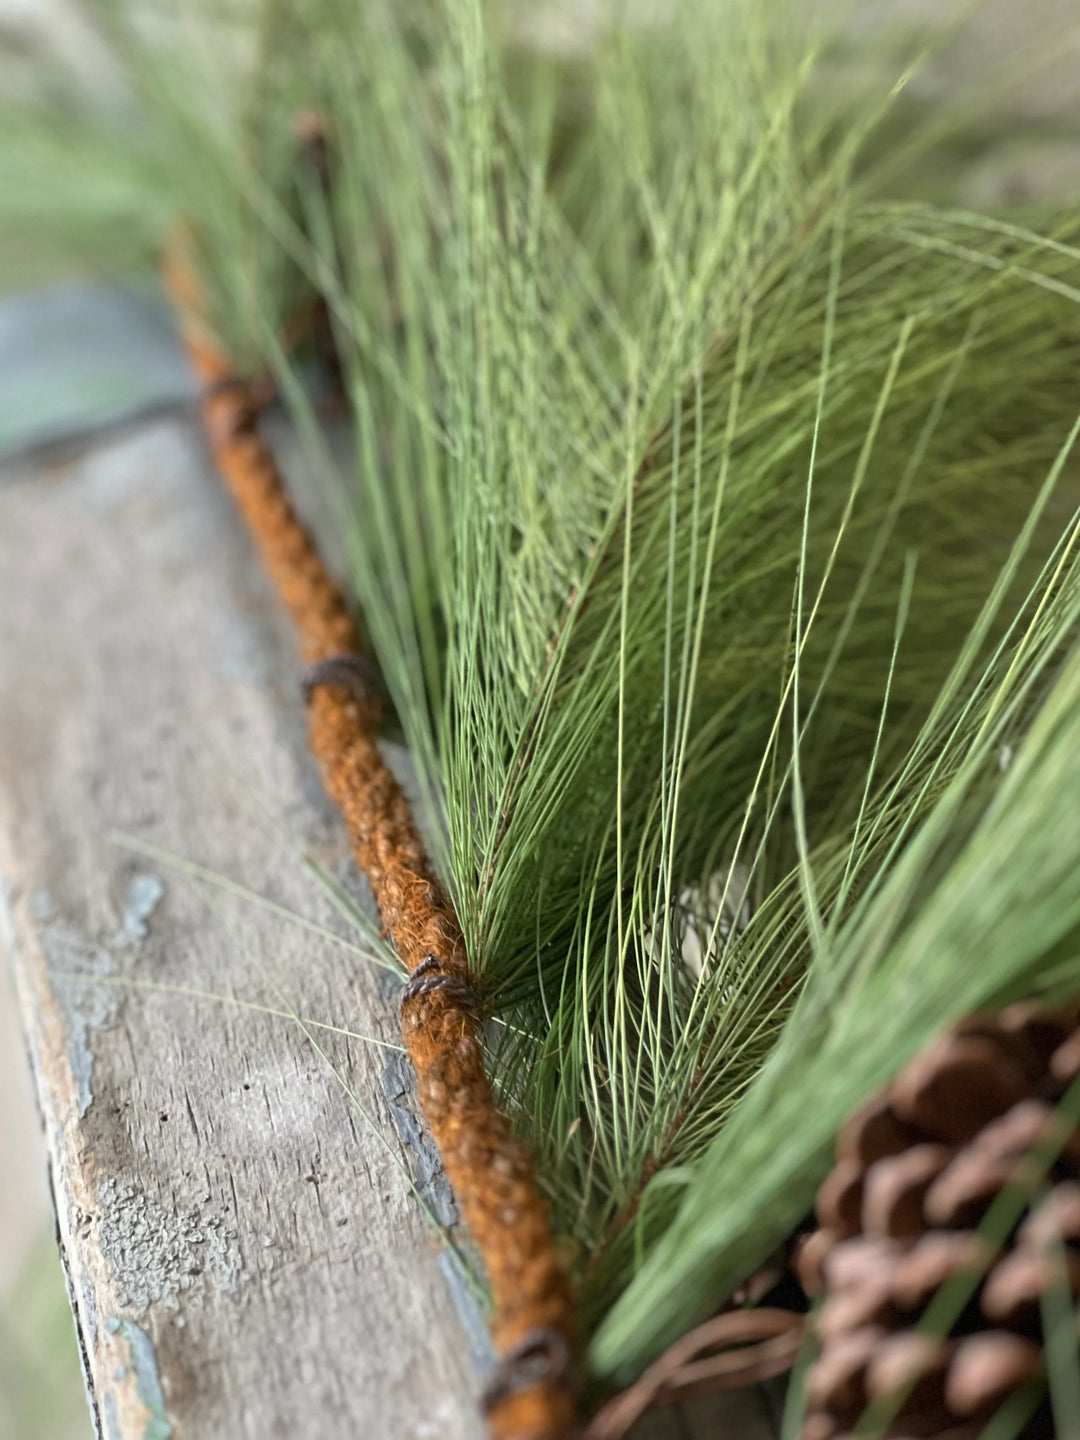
{"type": "Point", "coordinates": [251, 1218]}
{"type": "Point", "coordinates": [246, 1255]}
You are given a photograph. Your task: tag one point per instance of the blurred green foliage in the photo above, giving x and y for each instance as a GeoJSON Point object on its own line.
{"type": "Point", "coordinates": [41, 1389]}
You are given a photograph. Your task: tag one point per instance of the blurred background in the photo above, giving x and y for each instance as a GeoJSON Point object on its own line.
{"type": "Point", "coordinates": [1025, 147]}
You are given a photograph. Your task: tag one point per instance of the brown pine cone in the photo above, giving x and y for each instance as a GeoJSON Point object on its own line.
{"type": "Point", "coordinates": [917, 1171]}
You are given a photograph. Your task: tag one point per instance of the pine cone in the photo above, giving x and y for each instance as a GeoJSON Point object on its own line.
{"type": "Point", "coordinates": [917, 1171]}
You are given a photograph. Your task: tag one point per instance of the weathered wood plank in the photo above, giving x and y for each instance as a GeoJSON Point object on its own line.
{"type": "Point", "coordinates": [245, 1253]}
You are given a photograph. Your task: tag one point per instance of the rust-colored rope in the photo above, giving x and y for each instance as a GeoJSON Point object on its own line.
{"type": "Point", "coordinates": [531, 1394]}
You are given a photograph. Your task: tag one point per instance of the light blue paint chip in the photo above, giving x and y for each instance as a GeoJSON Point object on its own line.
{"type": "Point", "coordinates": [144, 893]}
{"type": "Point", "coordinates": [77, 964]}
{"type": "Point", "coordinates": [432, 1186]}
{"type": "Point", "coordinates": [474, 1320]}
{"type": "Point", "coordinates": [144, 1366]}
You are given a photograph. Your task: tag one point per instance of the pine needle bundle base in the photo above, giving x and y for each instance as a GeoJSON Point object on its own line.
{"type": "Point", "coordinates": [937, 1286]}
{"type": "Point", "coordinates": [531, 1394]}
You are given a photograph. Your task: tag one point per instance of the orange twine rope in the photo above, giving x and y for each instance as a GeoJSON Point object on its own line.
{"type": "Point", "coordinates": [531, 1395]}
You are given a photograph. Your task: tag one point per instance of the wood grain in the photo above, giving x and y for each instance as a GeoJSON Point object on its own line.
{"type": "Point", "coordinates": [252, 1220]}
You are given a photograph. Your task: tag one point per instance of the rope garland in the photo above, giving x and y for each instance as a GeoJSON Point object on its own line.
{"type": "Point", "coordinates": [531, 1394]}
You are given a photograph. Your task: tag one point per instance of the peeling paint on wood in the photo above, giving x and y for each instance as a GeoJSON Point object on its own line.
{"type": "Point", "coordinates": [157, 1255]}
{"type": "Point", "coordinates": [141, 1381]}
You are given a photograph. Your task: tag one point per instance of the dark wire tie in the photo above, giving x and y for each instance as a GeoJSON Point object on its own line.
{"type": "Point", "coordinates": [541, 1357]}
{"type": "Point", "coordinates": [350, 671]}
{"type": "Point", "coordinates": [428, 977]}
